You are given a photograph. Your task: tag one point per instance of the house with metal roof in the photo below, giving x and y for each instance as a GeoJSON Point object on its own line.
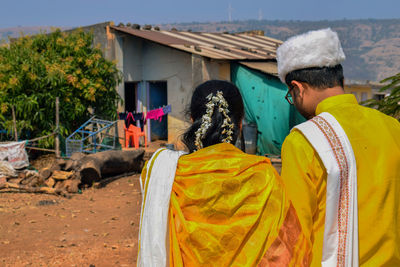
{"type": "Point", "coordinates": [162, 67]}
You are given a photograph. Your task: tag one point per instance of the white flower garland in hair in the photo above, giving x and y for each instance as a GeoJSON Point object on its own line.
{"type": "Point", "coordinates": [227, 124]}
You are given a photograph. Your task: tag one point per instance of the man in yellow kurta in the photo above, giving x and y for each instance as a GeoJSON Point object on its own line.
{"type": "Point", "coordinates": [310, 65]}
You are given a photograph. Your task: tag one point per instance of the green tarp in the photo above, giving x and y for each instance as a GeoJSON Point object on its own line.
{"type": "Point", "coordinates": [265, 105]}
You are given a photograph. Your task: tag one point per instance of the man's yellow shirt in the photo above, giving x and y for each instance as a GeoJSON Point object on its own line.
{"type": "Point", "coordinates": [375, 139]}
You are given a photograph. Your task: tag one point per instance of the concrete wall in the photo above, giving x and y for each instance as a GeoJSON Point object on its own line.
{"type": "Point", "coordinates": [224, 71]}
{"type": "Point", "coordinates": [141, 60]}
{"type": "Point", "coordinates": [204, 69]}
{"type": "Point", "coordinates": [101, 36]}
{"type": "Point", "coordinates": [162, 63]}
{"type": "Point", "coordinates": [148, 61]}
{"type": "Point", "coordinates": [361, 92]}
{"type": "Point", "coordinates": [111, 46]}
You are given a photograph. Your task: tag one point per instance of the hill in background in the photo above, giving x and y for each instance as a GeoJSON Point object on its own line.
{"type": "Point", "coordinates": [17, 31]}
{"type": "Point", "coordinates": [372, 46]}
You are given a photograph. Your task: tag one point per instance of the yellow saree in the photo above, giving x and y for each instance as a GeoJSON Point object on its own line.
{"type": "Point", "coordinates": [228, 208]}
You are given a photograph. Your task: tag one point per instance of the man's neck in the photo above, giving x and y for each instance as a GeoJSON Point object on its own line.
{"type": "Point", "coordinates": [328, 92]}
{"type": "Point", "coordinates": [337, 90]}
{"type": "Point", "coordinates": [325, 93]}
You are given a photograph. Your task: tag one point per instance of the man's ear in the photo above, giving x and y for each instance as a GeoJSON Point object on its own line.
{"type": "Point", "coordinates": [301, 87]}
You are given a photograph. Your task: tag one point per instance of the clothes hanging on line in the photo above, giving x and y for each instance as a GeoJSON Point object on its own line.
{"type": "Point", "coordinates": [131, 118]}
{"type": "Point", "coordinates": [122, 115]}
{"type": "Point", "coordinates": [158, 113]}
{"type": "Point", "coordinates": [155, 114]}
{"type": "Point", "coordinates": [139, 117]}
{"type": "Point", "coordinates": [167, 109]}
{"type": "Point", "coordinates": [127, 117]}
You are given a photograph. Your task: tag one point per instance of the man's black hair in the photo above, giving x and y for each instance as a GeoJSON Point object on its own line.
{"type": "Point", "coordinates": [318, 77]}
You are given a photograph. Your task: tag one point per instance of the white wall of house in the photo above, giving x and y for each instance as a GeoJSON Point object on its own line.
{"type": "Point", "coordinates": [148, 61]}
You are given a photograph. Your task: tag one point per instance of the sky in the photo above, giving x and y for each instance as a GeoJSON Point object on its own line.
{"type": "Point", "coordinates": [73, 13]}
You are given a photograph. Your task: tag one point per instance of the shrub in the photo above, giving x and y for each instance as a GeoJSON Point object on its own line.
{"type": "Point", "coordinates": [34, 70]}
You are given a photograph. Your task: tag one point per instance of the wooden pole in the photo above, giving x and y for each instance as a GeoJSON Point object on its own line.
{"type": "Point", "coordinates": [15, 123]}
{"type": "Point", "coordinates": [57, 128]}
{"type": "Point", "coordinates": [46, 190]}
{"type": "Point", "coordinates": [41, 149]}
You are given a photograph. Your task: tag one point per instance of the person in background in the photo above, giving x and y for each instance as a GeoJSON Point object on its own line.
{"type": "Point", "coordinates": [341, 168]}
{"type": "Point", "coordinates": [216, 206]}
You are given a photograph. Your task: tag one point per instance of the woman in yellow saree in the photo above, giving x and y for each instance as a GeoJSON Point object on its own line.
{"type": "Point", "coordinates": [216, 206]}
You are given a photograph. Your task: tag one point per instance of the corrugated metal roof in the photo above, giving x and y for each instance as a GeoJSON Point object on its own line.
{"type": "Point", "coordinates": [212, 45]}
{"type": "Point", "coordinates": [267, 67]}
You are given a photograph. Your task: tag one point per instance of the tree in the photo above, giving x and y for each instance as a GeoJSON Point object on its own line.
{"type": "Point", "coordinates": [390, 104]}
{"type": "Point", "coordinates": [34, 70]}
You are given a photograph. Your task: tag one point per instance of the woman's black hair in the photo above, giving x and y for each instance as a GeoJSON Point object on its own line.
{"type": "Point", "coordinates": [198, 108]}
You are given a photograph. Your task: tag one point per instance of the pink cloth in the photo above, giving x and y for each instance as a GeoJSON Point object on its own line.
{"type": "Point", "coordinates": [129, 120]}
{"type": "Point", "coordinates": [155, 114]}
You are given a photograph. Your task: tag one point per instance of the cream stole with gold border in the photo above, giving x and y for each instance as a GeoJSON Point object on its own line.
{"type": "Point", "coordinates": [156, 194]}
{"type": "Point", "coordinates": [326, 135]}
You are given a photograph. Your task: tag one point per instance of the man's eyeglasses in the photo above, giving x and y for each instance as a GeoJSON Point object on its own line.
{"type": "Point", "coordinates": [289, 98]}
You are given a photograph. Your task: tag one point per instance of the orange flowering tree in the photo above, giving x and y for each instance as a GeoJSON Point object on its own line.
{"type": "Point", "coordinates": [34, 70]}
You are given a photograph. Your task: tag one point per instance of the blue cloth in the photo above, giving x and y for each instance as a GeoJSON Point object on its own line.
{"type": "Point", "coordinates": [139, 117]}
{"type": "Point", "coordinates": [167, 109]}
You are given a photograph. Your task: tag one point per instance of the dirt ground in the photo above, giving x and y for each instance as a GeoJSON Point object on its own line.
{"type": "Point", "coordinates": [96, 228]}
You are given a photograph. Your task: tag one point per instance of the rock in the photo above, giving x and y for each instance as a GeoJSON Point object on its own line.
{"type": "Point", "coordinates": [45, 173]}
{"type": "Point", "coordinates": [27, 180]}
{"type": "Point", "coordinates": [73, 161]}
{"type": "Point", "coordinates": [72, 186]}
{"type": "Point", "coordinates": [50, 182]}
{"type": "Point", "coordinates": [61, 175]}
{"type": "Point", "coordinates": [7, 169]}
{"type": "Point", "coordinates": [14, 180]}
{"type": "Point", "coordinates": [59, 185]}
{"type": "Point", "coordinates": [55, 167]}
{"type": "Point", "coordinates": [34, 181]}
{"type": "Point", "coordinates": [30, 173]}
{"type": "Point", "coordinates": [22, 175]}
{"type": "Point", "coordinates": [61, 163]}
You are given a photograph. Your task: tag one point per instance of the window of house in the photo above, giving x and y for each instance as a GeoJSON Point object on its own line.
{"type": "Point", "coordinates": [364, 96]}
{"type": "Point", "coordinates": [355, 94]}
{"type": "Point", "coordinates": [378, 96]}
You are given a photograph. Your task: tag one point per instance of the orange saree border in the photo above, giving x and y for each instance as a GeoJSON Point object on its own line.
{"type": "Point", "coordinates": [290, 247]}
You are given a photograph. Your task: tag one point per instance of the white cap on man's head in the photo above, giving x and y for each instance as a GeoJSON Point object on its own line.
{"type": "Point", "coordinates": [320, 48]}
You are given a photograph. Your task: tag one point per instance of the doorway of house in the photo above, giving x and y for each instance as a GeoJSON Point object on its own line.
{"type": "Point", "coordinates": [158, 99]}
{"type": "Point", "coordinates": [130, 96]}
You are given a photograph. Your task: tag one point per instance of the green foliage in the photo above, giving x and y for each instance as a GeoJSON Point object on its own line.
{"type": "Point", "coordinates": [34, 70]}
{"type": "Point", "coordinates": [390, 104]}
